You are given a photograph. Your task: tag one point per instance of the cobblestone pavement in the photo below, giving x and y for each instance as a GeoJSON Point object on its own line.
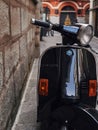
{"type": "Point", "coordinates": [26, 117]}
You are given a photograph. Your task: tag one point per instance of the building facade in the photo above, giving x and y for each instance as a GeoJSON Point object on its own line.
{"type": "Point", "coordinates": [54, 7]}
{"type": "Point", "coordinates": [95, 9]}
{"type": "Point", "coordinates": [93, 17]}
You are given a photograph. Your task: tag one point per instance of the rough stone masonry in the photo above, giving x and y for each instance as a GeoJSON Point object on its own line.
{"type": "Point", "coordinates": [18, 40]}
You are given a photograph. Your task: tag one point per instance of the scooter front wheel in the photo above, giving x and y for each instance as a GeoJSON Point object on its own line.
{"type": "Point", "coordinates": [54, 126]}
{"type": "Point", "coordinates": [58, 118]}
{"type": "Point", "coordinates": [71, 118]}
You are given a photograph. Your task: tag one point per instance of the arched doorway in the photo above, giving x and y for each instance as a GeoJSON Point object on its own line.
{"type": "Point", "coordinates": [45, 17]}
{"type": "Point", "coordinates": [46, 12]}
{"type": "Point", "coordinates": [68, 15]}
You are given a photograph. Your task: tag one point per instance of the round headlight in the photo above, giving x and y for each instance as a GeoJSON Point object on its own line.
{"type": "Point", "coordinates": [85, 34]}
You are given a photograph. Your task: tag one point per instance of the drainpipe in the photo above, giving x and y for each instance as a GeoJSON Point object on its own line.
{"type": "Point", "coordinates": [91, 13]}
{"type": "Point", "coordinates": [37, 16]}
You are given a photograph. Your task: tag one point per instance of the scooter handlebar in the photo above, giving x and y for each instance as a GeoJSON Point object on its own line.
{"type": "Point", "coordinates": [41, 23]}
{"type": "Point", "coordinates": [56, 27]}
{"type": "Point", "coordinates": [50, 26]}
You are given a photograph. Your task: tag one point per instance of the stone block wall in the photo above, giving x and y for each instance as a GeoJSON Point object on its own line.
{"type": "Point", "coordinates": [17, 46]}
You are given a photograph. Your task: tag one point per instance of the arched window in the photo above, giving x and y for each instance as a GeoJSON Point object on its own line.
{"type": "Point", "coordinates": [87, 11]}
{"type": "Point", "coordinates": [46, 10]}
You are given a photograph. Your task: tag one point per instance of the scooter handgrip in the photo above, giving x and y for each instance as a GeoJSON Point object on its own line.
{"type": "Point", "coordinates": [40, 23]}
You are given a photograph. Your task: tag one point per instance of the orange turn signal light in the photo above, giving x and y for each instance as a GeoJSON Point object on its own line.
{"type": "Point", "coordinates": [92, 88]}
{"type": "Point", "coordinates": [43, 87]}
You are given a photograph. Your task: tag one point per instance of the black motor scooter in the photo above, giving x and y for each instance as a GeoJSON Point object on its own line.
{"type": "Point", "coordinates": [67, 81]}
